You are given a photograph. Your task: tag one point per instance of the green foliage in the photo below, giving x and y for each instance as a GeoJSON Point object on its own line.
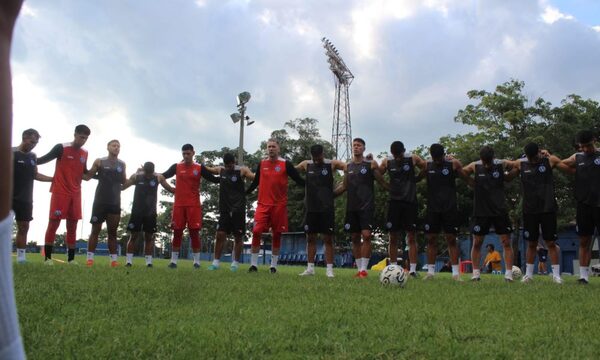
{"type": "Point", "coordinates": [161, 313]}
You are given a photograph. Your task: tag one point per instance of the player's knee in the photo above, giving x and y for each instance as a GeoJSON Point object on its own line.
{"type": "Point", "coordinates": [22, 227]}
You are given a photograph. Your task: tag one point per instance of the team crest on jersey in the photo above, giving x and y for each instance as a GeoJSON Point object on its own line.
{"type": "Point", "coordinates": [427, 227]}
{"type": "Point", "coordinates": [363, 170]}
{"type": "Point", "coordinates": [388, 225]}
{"type": "Point", "coordinates": [195, 172]}
{"type": "Point", "coordinates": [119, 169]}
{"type": "Point", "coordinates": [597, 161]}
{"type": "Point", "coordinates": [406, 167]}
{"type": "Point", "coordinates": [131, 225]}
{"type": "Point", "coordinates": [496, 174]}
{"type": "Point", "coordinates": [324, 172]}
{"type": "Point", "coordinates": [82, 159]}
{"type": "Point", "coordinates": [445, 172]}
{"type": "Point", "coordinates": [234, 178]}
{"type": "Point", "coordinates": [152, 183]}
{"type": "Point", "coordinates": [305, 227]}
{"type": "Point", "coordinates": [526, 234]}
{"type": "Point", "coordinates": [94, 219]}
{"type": "Point", "coordinates": [476, 228]}
{"type": "Point", "coordinates": [57, 213]}
{"type": "Point", "coordinates": [347, 226]}
{"type": "Point", "coordinates": [32, 162]}
{"type": "Point", "coordinates": [542, 169]}
{"type": "Point", "coordinates": [277, 168]}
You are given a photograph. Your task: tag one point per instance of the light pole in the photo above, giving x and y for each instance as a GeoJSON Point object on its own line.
{"type": "Point", "coordinates": [240, 116]}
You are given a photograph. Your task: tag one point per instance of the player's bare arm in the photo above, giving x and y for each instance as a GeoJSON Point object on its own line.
{"type": "Point", "coordinates": [338, 165]}
{"type": "Point", "coordinates": [128, 182]}
{"type": "Point", "coordinates": [247, 173]}
{"type": "Point", "coordinates": [568, 165]}
{"type": "Point", "coordinates": [93, 171]}
{"type": "Point", "coordinates": [165, 184]}
{"type": "Point", "coordinates": [339, 190]}
{"type": "Point", "coordinates": [378, 175]}
{"type": "Point", "coordinates": [511, 168]}
{"type": "Point", "coordinates": [302, 166]}
{"type": "Point", "coordinates": [215, 170]}
{"type": "Point", "coordinates": [383, 166]}
{"type": "Point", "coordinates": [466, 172]}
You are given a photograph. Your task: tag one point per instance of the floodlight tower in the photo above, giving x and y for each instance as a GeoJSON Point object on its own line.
{"type": "Point", "coordinates": [341, 130]}
{"type": "Point", "coordinates": [241, 117]}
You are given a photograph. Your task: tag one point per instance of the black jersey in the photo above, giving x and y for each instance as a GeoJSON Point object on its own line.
{"type": "Point", "coordinates": [360, 189]}
{"type": "Point", "coordinates": [24, 166]}
{"type": "Point", "coordinates": [232, 195]}
{"type": "Point", "coordinates": [489, 197]}
{"type": "Point", "coordinates": [441, 186]}
{"type": "Point", "coordinates": [145, 195]}
{"type": "Point", "coordinates": [403, 186]}
{"type": "Point", "coordinates": [110, 178]}
{"type": "Point", "coordinates": [319, 186]}
{"type": "Point", "coordinates": [537, 183]}
{"type": "Point", "coordinates": [587, 178]}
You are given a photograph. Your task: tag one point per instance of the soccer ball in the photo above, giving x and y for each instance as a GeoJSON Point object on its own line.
{"type": "Point", "coordinates": [393, 275]}
{"type": "Point", "coordinates": [517, 273]}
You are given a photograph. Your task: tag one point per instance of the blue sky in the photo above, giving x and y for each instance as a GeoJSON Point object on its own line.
{"type": "Point", "coordinates": [157, 74]}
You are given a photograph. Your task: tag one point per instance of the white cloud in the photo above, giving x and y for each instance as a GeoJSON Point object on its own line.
{"type": "Point", "coordinates": [552, 15]}
{"type": "Point", "coordinates": [28, 10]}
{"type": "Point", "coordinates": [596, 28]}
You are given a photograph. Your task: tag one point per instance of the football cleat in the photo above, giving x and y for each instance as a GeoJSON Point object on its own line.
{"type": "Point", "coordinates": [89, 263]}
{"type": "Point", "coordinates": [211, 267]}
{"type": "Point", "coordinates": [329, 274]}
{"type": "Point", "coordinates": [49, 262]}
{"type": "Point", "coordinates": [413, 275]}
{"type": "Point", "coordinates": [527, 279]}
{"type": "Point", "coordinates": [428, 277]}
{"type": "Point", "coordinates": [363, 274]}
{"type": "Point", "coordinates": [196, 266]}
{"type": "Point", "coordinates": [307, 273]}
{"type": "Point", "coordinates": [128, 265]}
{"type": "Point", "coordinates": [253, 269]}
{"type": "Point", "coordinates": [583, 281]}
{"type": "Point", "coordinates": [475, 278]}
{"type": "Point", "coordinates": [73, 263]}
{"type": "Point", "coordinates": [114, 264]}
{"type": "Point", "coordinates": [557, 280]}
{"type": "Point", "coordinates": [149, 265]}
{"type": "Point", "coordinates": [273, 270]}
{"type": "Point", "coordinates": [457, 278]}
{"type": "Point", "coordinates": [172, 266]}
{"type": "Point", "coordinates": [233, 268]}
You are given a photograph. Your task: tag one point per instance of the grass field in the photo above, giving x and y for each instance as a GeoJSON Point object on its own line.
{"type": "Point", "coordinates": [92, 313]}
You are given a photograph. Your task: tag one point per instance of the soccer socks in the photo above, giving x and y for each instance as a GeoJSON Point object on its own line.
{"type": "Point", "coordinates": [254, 259]}
{"type": "Point", "coordinates": [148, 259]}
{"type": "Point", "coordinates": [90, 256]}
{"type": "Point", "coordinates": [196, 257]}
{"type": "Point", "coordinates": [366, 263]}
{"type": "Point", "coordinates": [310, 266]}
{"type": "Point", "coordinates": [476, 273]}
{"type": "Point", "coordinates": [177, 236]}
{"type": "Point", "coordinates": [129, 258]}
{"type": "Point", "coordinates": [455, 271]}
{"type": "Point", "coordinates": [556, 270]}
{"type": "Point", "coordinates": [413, 267]}
{"type": "Point", "coordinates": [113, 257]}
{"type": "Point", "coordinates": [584, 272]}
{"type": "Point", "coordinates": [529, 270]}
{"type": "Point", "coordinates": [216, 263]}
{"type": "Point", "coordinates": [174, 257]}
{"type": "Point", "coordinates": [48, 251]}
{"type": "Point", "coordinates": [71, 255]}
{"type": "Point", "coordinates": [274, 259]}
{"type": "Point", "coordinates": [508, 274]}
{"type": "Point", "coordinates": [20, 255]}
{"type": "Point", "coordinates": [431, 269]}
{"type": "Point", "coordinates": [393, 263]}
{"type": "Point", "coordinates": [11, 345]}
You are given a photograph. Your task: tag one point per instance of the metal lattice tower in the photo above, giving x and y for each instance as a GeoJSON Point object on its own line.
{"type": "Point", "coordinates": [341, 130]}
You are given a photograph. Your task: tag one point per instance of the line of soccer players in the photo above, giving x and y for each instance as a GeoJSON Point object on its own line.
{"type": "Point", "coordinates": [486, 176]}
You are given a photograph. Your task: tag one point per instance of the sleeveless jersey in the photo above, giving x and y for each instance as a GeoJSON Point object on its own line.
{"type": "Point", "coordinates": [23, 175]}
{"type": "Point", "coordinates": [537, 183]}
{"type": "Point", "coordinates": [187, 184]}
{"type": "Point", "coordinates": [232, 195]}
{"type": "Point", "coordinates": [319, 186]}
{"type": "Point", "coordinates": [587, 178]}
{"type": "Point", "coordinates": [441, 186]}
{"type": "Point", "coordinates": [401, 172]}
{"type": "Point", "coordinates": [145, 195]}
{"type": "Point", "coordinates": [273, 183]}
{"type": "Point", "coordinates": [489, 197]}
{"type": "Point", "coordinates": [110, 178]}
{"type": "Point", "coordinates": [68, 171]}
{"type": "Point", "coordinates": [361, 192]}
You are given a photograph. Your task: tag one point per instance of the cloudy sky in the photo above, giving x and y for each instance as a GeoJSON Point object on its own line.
{"type": "Point", "coordinates": [157, 74]}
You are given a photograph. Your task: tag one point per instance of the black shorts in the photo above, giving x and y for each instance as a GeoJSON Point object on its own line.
{"type": "Point", "coordinates": [588, 219]}
{"type": "Point", "coordinates": [232, 222]}
{"type": "Point", "coordinates": [319, 222]}
{"type": "Point", "coordinates": [436, 221]}
{"type": "Point", "coordinates": [401, 215]}
{"type": "Point", "coordinates": [481, 225]}
{"type": "Point", "coordinates": [143, 223]}
{"type": "Point", "coordinates": [101, 211]}
{"type": "Point", "coordinates": [533, 222]}
{"type": "Point", "coordinates": [23, 210]}
{"type": "Point", "coordinates": [542, 254]}
{"type": "Point", "coordinates": [358, 220]}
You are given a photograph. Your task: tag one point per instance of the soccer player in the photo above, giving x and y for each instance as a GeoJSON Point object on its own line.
{"type": "Point", "coordinates": [402, 203]}
{"type": "Point", "coordinates": [24, 171]}
{"type": "Point", "coordinates": [187, 209]}
{"type": "Point", "coordinates": [441, 173]}
{"type": "Point", "coordinates": [271, 211]}
{"type": "Point", "coordinates": [110, 171]}
{"type": "Point", "coordinates": [586, 164]}
{"type": "Point", "coordinates": [11, 344]}
{"type": "Point", "coordinates": [232, 208]}
{"type": "Point", "coordinates": [489, 207]}
{"type": "Point", "coordinates": [539, 206]}
{"type": "Point", "coordinates": [143, 210]}
{"type": "Point", "coordinates": [65, 203]}
{"type": "Point", "coordinates": [320, 211]}
{"type": "Point", "coordinates": [360, 204]}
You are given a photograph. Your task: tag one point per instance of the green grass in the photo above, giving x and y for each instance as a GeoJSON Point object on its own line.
{"type": "Point", "coordinates": [99, 312]}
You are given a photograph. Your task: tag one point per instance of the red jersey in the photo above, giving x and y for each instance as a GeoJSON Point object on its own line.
{"type": "Point", "coordinates": [187, 185]}
{"type": "Point", "coordinates": [273, 185]}
{"type": "Point", "coordinates": [69, 170]}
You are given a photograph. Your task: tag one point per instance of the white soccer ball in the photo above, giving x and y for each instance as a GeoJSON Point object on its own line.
{"type": "Point", "coordinates": [517, 273]}
{"type": "Point", "coordinates": [393, 275]}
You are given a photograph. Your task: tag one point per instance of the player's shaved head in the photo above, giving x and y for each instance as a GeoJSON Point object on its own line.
{"type": "Point", "coordinates": [486, 154]}
{"type": "Point", "coordinates": [585, 137]}
{"type": "Point", "coordinates": [531, 150]}
{"type": "Point", "coordinates": [186, 147]}
{"type": "Point", "coordinates": [82, 129]}
{"type": "Point", "coordinates": [316, 150]}
{"type": "Point", "coordinates": [30, 133]}
{"type": "Point", "coordinates": [397, 148]}
{"type": "Point", "coordinates": [437, 151]}
{"type": "Point", "coordinates": [149, 167]}
{"type": "Point", "coordinates": [228, 159]}
{"type": "Point", "coordinates": [113, 141]}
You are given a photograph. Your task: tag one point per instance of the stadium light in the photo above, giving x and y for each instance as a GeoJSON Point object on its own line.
{"type": "Point", "coordinates": [235, 117]}
{"type": "Point", "coordinates": [243, 98]}
{"type": "Point", "coordinates": [240, 116]}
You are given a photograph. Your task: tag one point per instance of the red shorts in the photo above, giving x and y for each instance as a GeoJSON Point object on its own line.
{"type": "Point", "coordinates": [270, 216]}
{"type": "Point", "coordinates": [186, 215]}
{"type": "Point", "coordinates": [63, 206]}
